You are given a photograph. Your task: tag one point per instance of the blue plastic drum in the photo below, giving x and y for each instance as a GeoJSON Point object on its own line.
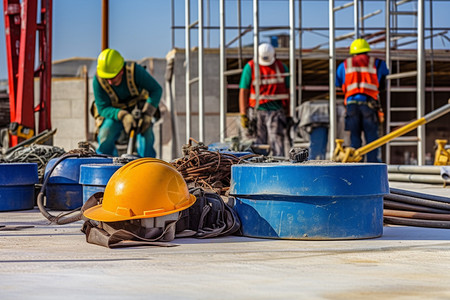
{"type": "Point", "coordinates": [17, 182]}
{"type": "Point", "coordinates": [64, 192]}
{"type": "Point", "coordinates": [312, 201]}
{"type": "Point", "coordinates": [94, 178]}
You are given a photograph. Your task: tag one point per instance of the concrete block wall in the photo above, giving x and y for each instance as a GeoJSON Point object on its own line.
{"type": "Point", "coordinates": [69, 113]}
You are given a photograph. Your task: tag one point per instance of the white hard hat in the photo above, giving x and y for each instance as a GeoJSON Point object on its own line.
{"type": "Point", "coordinates": [266, 54]}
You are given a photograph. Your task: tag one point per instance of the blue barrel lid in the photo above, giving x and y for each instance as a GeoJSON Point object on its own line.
{"type": "Point", "coordinates": [97, 174]}
{"type": "Point", "coordinates": [18, 174]}
{"type": "Point", "coordinates": [237, 154]}
{"type": "Point", "coordinates": [310, 179]}
{"type": "Point", "coordinates": [68, 171]}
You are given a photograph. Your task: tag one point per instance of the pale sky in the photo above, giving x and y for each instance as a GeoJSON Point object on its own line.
{"type": "Point", "coordinates": [141, 28]}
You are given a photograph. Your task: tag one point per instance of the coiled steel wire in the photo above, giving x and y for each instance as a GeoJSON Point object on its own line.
{"type": "Point", "coordinates": [207, 169]}
{"type": "Point", "coordinates": [40, 154]}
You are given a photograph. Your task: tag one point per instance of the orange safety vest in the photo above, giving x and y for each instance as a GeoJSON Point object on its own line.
{"type": "Point", "coordinates": [360, 76]}
{"type": "Point", "coordinates": [272, 86]}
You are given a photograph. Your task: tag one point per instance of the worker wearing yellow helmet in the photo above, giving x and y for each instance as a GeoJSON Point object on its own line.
{"type": "Point", "coordinates": [120, 87]}
{"type": "Point", "coordinates": [360, 77]}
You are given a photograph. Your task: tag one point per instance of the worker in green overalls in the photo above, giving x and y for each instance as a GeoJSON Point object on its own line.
{"type": "Point", "coordinates": [118, 87]}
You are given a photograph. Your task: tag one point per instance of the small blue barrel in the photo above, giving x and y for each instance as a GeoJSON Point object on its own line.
{"type": "Point", "coordinates": [17, 182]}
{"type": "Point", "coordinates": [94, 177]}
{"type": "Point", "coordinates": [310, 201]}
{"type": "Point", "coordinates": [64, 192]}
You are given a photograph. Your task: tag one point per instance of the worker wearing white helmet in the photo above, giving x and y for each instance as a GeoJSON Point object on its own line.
{"type": "Point", "coordinates": [272, 111]}
{"type": "Point", "coordinates": [360, 77]}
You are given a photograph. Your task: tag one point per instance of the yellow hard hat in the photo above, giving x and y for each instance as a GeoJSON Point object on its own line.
{"type": "Point", "coordinates": [109, 63]}
{"type": "Point", "coordinates": [359, 46]}
{"type": "Point", "coordinates": [143, 188]}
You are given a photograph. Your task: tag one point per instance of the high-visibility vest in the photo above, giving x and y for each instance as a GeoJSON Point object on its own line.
{"type": "Point", "coordinates": [135, 95]}
{"type": "Point", "coordinates": [272, 85]}
{"type": "Point", "coordinates": [360, 76]}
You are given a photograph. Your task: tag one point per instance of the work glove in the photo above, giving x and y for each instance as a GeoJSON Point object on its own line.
{"type": "Point", "coordinates": [244, 121]}
{"type": "Point", "coordinates": [144, 123]}
{"type": "Point", "coordinates": [127, 120]}
{"type": "Point", "coordinates": [148, 111]}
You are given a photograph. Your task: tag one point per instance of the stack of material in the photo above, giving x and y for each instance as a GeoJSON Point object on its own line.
{"type": "Point", "coordinates": [409, 208]}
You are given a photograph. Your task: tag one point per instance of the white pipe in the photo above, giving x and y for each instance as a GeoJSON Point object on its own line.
{"type": "Point", "coordinates": [187, 70]}
{"type": "Point", "coordinates": [222, 66]}
{"type": "Point", "coordinates": [293, 86]}
{"type": "Point", "coordinates": [255, 48]}
{"type": "Point", "coordinates": [332, 74]}
{"type": "Point", "coordinates": [414, 169]}
{"type": "Point", "coordinates": [201, 104]}
{"type": "Point", "coordinates": [421, 72]}
{"type": "Point", "coordinates": [418, 178]}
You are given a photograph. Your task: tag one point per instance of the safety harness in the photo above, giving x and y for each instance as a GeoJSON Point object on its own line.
{"type": "Point", "coordinates": [134, 92]}
{"type": "Point", "coordinates": [208, 217]}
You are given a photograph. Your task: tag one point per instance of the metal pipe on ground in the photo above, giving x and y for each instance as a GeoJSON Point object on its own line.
{"type": "Point", "coordinates": [388, 204]}
{"type": "Point", "coordinates": [416, 222]}
{"type": "Point", "coordinates": [419, 195]}
{"type": "Point", "coordinates": [414, 169]}
{"type": "Point", "coordinates": [418, 201]}
{"type": "Point", "coordinates": [416, 215]}
{"type": "Point", "coordinates": [417, 178]}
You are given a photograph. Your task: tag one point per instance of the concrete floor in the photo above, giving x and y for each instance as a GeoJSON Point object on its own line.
{"type": "Point", "coordinates": [51, 261]}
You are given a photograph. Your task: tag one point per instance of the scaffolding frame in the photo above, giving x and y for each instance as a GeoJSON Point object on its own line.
{"type": "Point", "coordinates": [295, 57]}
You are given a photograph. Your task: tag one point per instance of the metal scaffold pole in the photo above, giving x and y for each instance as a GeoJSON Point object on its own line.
{"type": "Point", "coordinates": [255, 47]}
{"type": "Point", "coordinates": [223, 106]}
{"type": "Point", "coordinates": [332, 70]}
{"type": "Point", "coordinates": [293, 85]}
{"type": "Point", "coordinates": [421, 72]}
{"type": "Point", "coordinates": [389, 65]}
{"type": "Point", "coordinates": [356, 18]}
{"type": "Point", "coordinates": [187, 73]}
{"type": "Point", "coordinates": [300, 45]}
{"type": "Point", "coordinates": [201, 114]}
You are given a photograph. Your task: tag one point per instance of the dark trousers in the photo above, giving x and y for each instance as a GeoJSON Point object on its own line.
{"type": "Point", "coordinates": [361, 118]}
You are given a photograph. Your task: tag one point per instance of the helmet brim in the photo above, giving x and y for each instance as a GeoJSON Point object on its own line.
{"type": "Point", "coordinates": [266, 63]}
{"type": "Point", "coordinates": [98, 213]}
{"type": "Point", "coordinates": [106, 75]}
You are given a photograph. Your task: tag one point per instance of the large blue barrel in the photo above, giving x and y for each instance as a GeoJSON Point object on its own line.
{"type": "Point", "coordinates": [321, 201]}
{"type": "Point", "coordinates": [94, 177]}
{"type": "Point", "coordinates": [17, 182]}
{"type": "Point", "coordinates": [64, 192]}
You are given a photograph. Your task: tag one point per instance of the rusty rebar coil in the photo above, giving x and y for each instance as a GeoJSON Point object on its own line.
{"type": "Point", "coordinates": [207, 169]}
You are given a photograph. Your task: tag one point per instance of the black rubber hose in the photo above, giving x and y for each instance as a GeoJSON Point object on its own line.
{"type": "Point", "coordinates": [62, 219]}
{"type": "Point", "coordinates": [418, 201]}
{"type": "Point", "coordinates": [417, 222]}
{"type": "Point", "coordinates": [419, 195]}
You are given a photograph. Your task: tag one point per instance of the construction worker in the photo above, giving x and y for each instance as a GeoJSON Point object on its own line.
{"type": "Point", "coordinates": [360, 77]}
{"type": "Point", "coordinates": [118, 87]}
{"type": "Point", "coordinates": [272, 112]}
